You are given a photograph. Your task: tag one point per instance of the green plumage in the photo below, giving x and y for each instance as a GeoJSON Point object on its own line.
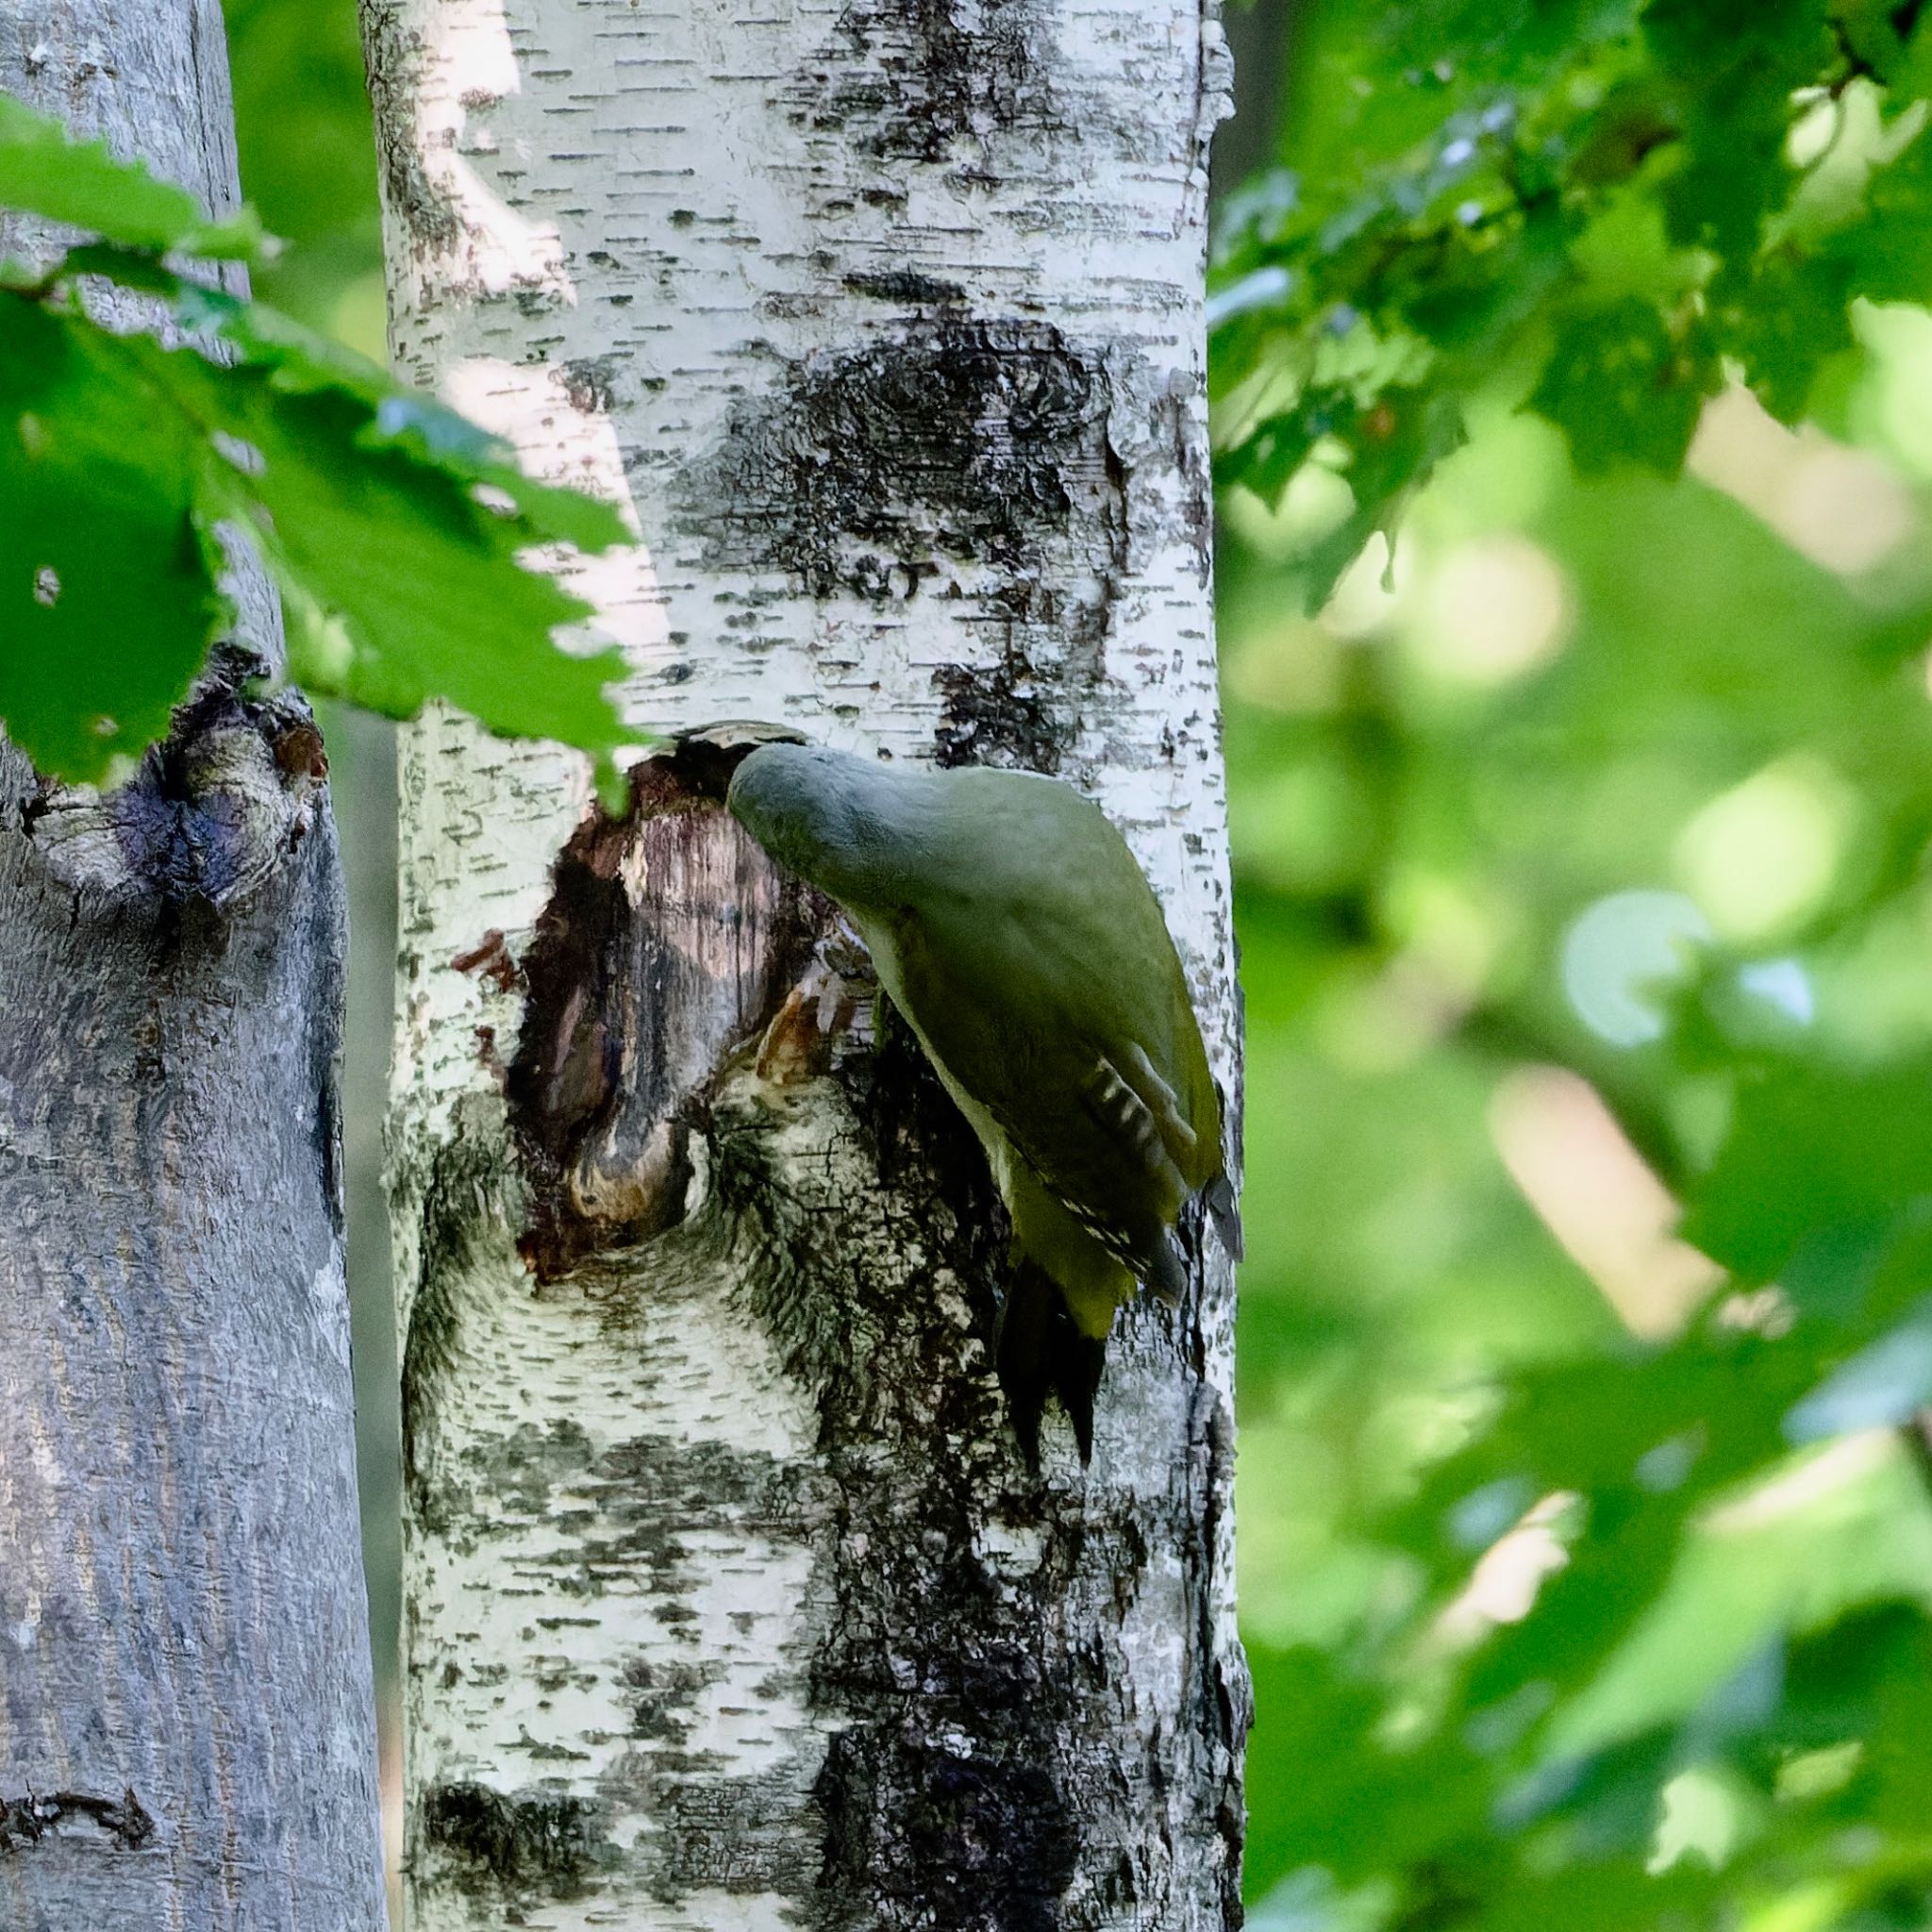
{"type": "Point", "coordinates": [1014, 928]}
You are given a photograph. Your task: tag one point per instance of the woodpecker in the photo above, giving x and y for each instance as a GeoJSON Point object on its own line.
{"type": "Point", "coordinates": [1014, 931]}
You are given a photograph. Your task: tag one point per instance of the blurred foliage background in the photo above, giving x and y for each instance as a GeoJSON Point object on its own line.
{"type": "Point", "coordinates": [308, 153]}
{"type": "Point", "coordinates": [1580, 845]}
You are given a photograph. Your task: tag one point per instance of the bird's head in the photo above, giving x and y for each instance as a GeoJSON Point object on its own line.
{"type": "Point", "coordinates": [842, 822]}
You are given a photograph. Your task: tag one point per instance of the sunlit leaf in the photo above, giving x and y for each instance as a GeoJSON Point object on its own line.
{"type": "Point", "coordinates": [406, 542]}
{"type": "Point", "coordinates": [106, 606]}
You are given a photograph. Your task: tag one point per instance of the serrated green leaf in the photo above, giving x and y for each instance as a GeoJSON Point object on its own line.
{"type": "Point", "coordinates": [376, 521]}
{"type": "Point", "coordinates": [423, 577]}
{"type": "Point", "coordinates": [45, 171]}
{"type": "Point", "coordinates": [1886, 251]}
{"type": "Point", "coordinates": [1733, 68]}
{"type": "Point", "coordinates": [1790, 318]}
{"type": "Point", "coordinates": [1392, 451]}
{"type": "Point", "coordinates": [402, 538]}
{"type": "Point", "coordinates": [435, 437]}
{"type": "Point", "coordinates": [106, 606]}
{"type": "Point", "coordinates": [1453, 166]}
{"type": "Point", "coordinates": [300, 362]}
{"type": "Point", "coordinates": [1270, 459]}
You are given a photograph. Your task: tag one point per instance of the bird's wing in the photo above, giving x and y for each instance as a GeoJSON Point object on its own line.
{"type": "Point", "coordinates": [1034, 1029]}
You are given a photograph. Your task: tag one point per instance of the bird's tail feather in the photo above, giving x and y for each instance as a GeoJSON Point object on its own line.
{"type": "Point", "coordinates": [1038, 1352]}
{"type": "Point", "coordinates": [1165, 1273]}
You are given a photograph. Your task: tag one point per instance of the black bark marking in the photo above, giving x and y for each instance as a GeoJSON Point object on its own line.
{"type": "Point", "coordinates": [392, 58]}
{"type": "Point", "coordinates": [664, 1697]}
{"type": "Point", "coordinates": [532, 1843]}
{"type": "Point", "coordinates": [669, 938]}
{"type": "Point", "coordinates": [907, 79]}
{"type": "Point", "coordinates": [943, 1840]}
{"type": "Point", "coordinates": [325, 1083]}
{"type": "Point", "coordinates": [25, 1821]}
{"type": "Point", "coordinates": [904, 285]}
{"type": "Point", "coordinates": [651, 1489]}
{"type": "Point", "coordinates": [463, 1182]}
{"type": "Point", "coordinates": [1175, 426]}
{"type": "Point", "coordinates": [590, 382]}
{"type": "Point", "coordinates": [969, 1721]}
{"type": "Point", "coordinates": [961, 458]}
{"type": "Point", "coordinates": [996, 716]}
{"type": "Point", "coordinates": [980, 441]}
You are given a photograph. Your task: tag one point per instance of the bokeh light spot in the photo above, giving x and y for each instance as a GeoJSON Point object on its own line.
{"type": "Point", "coordinates": [1623, 952]}
{"type": "Point", "coordinates": [1761, 857]}
{"type": "Point", "coordinates": [1495, 610]}
{"type": "Point", "coordinates": [1784, 984]}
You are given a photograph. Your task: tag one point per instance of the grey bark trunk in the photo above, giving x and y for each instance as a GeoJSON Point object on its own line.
{"type": "Point", "coordinates": [186, 1723]}
{"type": "Point", "coordinates": [730, 1600]}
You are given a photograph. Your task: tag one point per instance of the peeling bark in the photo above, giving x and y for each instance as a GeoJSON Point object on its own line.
{"type": "Point", "coordinates": [731, 1600]}
{"type": "Point", "coordinates": [186, 1736]}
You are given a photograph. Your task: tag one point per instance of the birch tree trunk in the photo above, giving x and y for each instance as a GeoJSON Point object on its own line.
{"type": "Point", "coordinates": [186, 1735]}
{"type": "Point", "coordinates": [730, 1600]}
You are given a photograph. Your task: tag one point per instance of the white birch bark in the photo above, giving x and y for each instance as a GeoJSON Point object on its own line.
{"type": "Point", "coordinates": [729, 1599]}
{"type": "Point", "coordinates": [186, 1719]}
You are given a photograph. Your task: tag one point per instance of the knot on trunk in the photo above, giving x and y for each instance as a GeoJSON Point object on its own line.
{"type": "Point", "coordinates": [213, 811]}
{"type": "Point", "coordinates": [27, 1821]}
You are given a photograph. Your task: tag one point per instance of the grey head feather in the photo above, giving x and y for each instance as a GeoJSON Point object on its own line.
{"type": "Point", "coordinates": [850, 826]}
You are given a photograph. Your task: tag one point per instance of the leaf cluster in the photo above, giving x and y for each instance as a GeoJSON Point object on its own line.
{"type": "Point", "coordinates": [140, 464]}
{"type": "Point", "coordinates": [1552, 1621]}
{"type": "Point", "coordinates": [1616, 204]}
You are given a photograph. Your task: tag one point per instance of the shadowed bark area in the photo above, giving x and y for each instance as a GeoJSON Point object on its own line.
{"type": "Point", "coordinates": [186, 1719]}
{"type": "Point", "coordinates": [732, 1597]}
{"type": "Point", "coordinates": [186, 1734]}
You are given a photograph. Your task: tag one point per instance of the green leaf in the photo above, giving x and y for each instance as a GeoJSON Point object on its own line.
{"type": "Point", "coordinates": [1789, 319]}
{"type": "Point", "coordinates": [300, 362]}
{"type": "Point", "coordinates": [1868, 1680]}
{"type": "Point", "coordinates": [1886, 250]}
{"type": "Point", "coordinates": [1392, 451]}
{"type": "Point", "coordinates": [1828, 1532]}
{"type": "Point", "coordinates": [1456, 176]}
{"type": "Point", "coordinates": [1816, 1153]}
{"type": "Point", "coordinates": [1732, 68]}
{"type": "Point", "coordinates": [423, 578]}
{"type": "Point", "coordinates": [1372, 1805]}
{"type": "Point", "coordinates": [45, 171]}
{"type": "Point", "coordinates": [1623, 390]}
{"type": "Point", "coordinates": [106, 607]}
{"type": "Point", "coordinates": [1271, 459]}
{"type": "Point", "coordinates": [400, 535]}
{"type": "Point", "coordinates": [1870, 34]}
{"type": "Point", "coordinates": [378, 528]}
